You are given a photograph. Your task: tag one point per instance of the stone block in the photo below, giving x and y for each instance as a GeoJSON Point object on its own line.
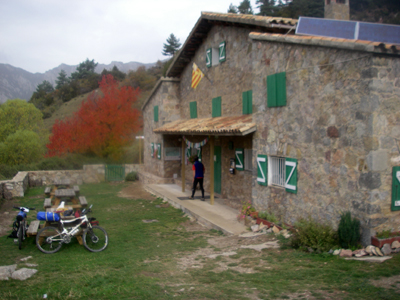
{"type": "Point", "coordinates": [346, 253]}
{"type": "Point", "coordinates": [23, 274]}
{"type": "Point", "coordinates": [332, 132]}
{"type": "Point", "coordinates": [378, 160]}
{"type": "Point", "coordinates": [386, 249]}
{"type": "Point", "coordinates": [370, 180]}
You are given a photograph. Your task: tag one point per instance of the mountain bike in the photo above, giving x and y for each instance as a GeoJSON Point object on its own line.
{"type": "Point", "coordinates": [20, 225]}
{"type": "Point", "coordinates": [95, 238]}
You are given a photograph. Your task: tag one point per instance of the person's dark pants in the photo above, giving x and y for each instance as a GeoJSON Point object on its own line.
{"type": "Point", "coordinates": [200, 181]}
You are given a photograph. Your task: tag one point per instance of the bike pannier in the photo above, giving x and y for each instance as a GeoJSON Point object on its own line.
{"type": "Point", "coordinates": [47, 216]}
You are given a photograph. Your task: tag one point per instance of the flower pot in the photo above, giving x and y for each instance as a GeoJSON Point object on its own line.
{"type": "Point", "coordinates": [254, 214]}
{"type": "Point", "coordinates": [379, 242]}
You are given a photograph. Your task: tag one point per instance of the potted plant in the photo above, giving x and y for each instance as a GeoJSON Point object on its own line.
{"type": "Point", "coordinates": [385, 237]}
{"type": "Point", "coordinates": [247, 210]}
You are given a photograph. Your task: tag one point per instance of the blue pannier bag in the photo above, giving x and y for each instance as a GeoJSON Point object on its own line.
{"type": "Point", "coordinates": [48, 216]}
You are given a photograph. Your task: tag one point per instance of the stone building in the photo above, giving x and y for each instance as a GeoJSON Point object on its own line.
{"type": "Point", "coordinates": [298, 125]}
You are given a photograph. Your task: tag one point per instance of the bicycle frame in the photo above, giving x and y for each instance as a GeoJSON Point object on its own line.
{"type": "Point", "coordinates": [73, 230]}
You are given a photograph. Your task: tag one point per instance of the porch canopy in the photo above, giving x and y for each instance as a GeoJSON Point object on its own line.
{"type": "Point", "coordinates": [219, 126]}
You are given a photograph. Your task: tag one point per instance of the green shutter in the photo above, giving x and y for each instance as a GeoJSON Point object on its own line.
{"type": "Point", "coordinates": [396, 189]}
{"type": "Point", "coordinates": [159, 151]}
{"type": "Point", "coordinates": [271, 90]}
{"type": "Point", "coordinates": [291, 175]}
{"type": "Point", "coordinates": [262, 169]}
{"type": "Point", "coordinates": [193, 109]}
{"type": "Point", "coordinates": [208, 57]}
{"type": "Point", "coordinates": [239, 159]}
{"type": "Point", "coordinates": [156, 113]}
{"type": "Point", "coordinates": [247, 102]}
{"type": "Point", "coordinates": [152, 149]}
{"type": "Point", "coordinates": [199, 153]}
{"type": "Point", "coordinates": [281, 89]}
{"type": "Point", "coordinates": [222, 52]}
{"type": "Point", "coordinates": [276, 90]}
{"type": "Point", "coordinates": [216, 107]}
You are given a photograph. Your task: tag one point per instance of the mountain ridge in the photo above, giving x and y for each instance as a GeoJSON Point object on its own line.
{"type": "Point", "coordinates": [18, 83]}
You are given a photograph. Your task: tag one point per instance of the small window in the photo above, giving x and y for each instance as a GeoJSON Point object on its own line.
{"type": "Point", "coordinates": [172, 153]}
{"type": "Point", "coordinates": [396, 189]}
{"type": "Point", "coordinates": [159, 151]}
{"type": "Point", "coordinates": [248, 159]}
{"type": "Point", "coordinates": [283, 172]}
{"type": "Point", "coordinates": [156, 113]}
{"type": "Point", "coordinates": [216, 107]}
{"type": "Point", "coordinates": [247, 102]}
{"type": "Point", "coordinates": [222, 52]}
{"type": "Point", "coordinates": [276, 90]}
{"type": "Point", "coordinates": [215, 56]}
{"type": "Point", "coordinates": [341, 1]}
{"type": "Point", "coordinates": [152, 149]}
{"type": "Point", "coordinates": [193, 109]}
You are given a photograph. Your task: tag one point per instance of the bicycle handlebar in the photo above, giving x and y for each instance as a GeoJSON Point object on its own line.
{"type": "Point", "coordinates": [19, 207]}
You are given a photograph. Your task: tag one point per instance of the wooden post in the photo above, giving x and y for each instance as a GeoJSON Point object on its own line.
{"type": "Point", "coordinates": [212, 170]}
{"type": "Point", "coordinates": [183, 165]}
{"type": "Point", "coordinates": [140, 151]}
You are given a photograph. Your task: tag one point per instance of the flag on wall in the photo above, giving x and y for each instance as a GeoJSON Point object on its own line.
{"type": "Point", "coordinates": [197, 75]}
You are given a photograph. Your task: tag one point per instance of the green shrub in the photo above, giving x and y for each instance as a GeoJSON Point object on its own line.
{"type": "Point", "coordinates": [348, 231]}
{"type": "Point", "coordinates": [131, 176]}
{"type": "Point", "coordinates": [267, 216]}
{"type": "Point", "coordinates": [311, 234]}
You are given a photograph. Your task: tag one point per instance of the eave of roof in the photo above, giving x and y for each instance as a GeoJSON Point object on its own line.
{"type": "Point", "coordinates": [221, 126]}
{"type": "Point", "coordinates": [208, 19]}
{"type": "Point", "coordinates": [158, 83]}
{"type": "Point", "coordinates": [358, 45]}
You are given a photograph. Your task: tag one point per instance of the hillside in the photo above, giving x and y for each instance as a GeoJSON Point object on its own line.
{"type": "Point", "coordinates": [18, 83]}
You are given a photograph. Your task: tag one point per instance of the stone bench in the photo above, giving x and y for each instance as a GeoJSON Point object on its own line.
{"type": "Point", "coordinates": [47, 203]}
{"type": "Point", "coordinates": [33, 228]}
{"type": "Point", "coordinates": [82, 201]}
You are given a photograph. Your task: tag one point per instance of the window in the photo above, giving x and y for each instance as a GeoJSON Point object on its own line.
{"type": "Point", "coordinates": [247, 101]}
{"type": "Point", "coordinates": [283, 172]}
{"type": "Point", "coordinates": [276, 90]}
{"type": "Point", "coordinates": [156, 113]}
{"type": "Point", "coordinates": [216, 107]}
{"type": "Point", "coordinates": [152, 149]}
{"type": "Point", "coordinates": [215, 56]}
{"type": "Point", "coordinates": [193, 109]}
{"type": "Point", "coordinates": [248, 157]}
{"type": "Point", "coordinates": [172, 153]}
{"type": "Point", "coordinates": [192, 151]}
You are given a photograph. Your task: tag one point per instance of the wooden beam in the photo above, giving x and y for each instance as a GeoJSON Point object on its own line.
{"type": "Point", "coordinates": [183, 177]}
{"type": "Point", "coordinates": [212, 170]}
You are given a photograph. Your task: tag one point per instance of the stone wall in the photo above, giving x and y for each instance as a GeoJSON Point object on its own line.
{"type": "Point", "coordinates": [337, 11]}
{"type": "Point", "coordinates": [340, 122]}
{"type": "Point", "coordinates": [90, 174]}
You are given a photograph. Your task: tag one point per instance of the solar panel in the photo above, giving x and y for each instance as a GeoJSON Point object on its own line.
{"type": "Point", "coordinates": [349, 30]}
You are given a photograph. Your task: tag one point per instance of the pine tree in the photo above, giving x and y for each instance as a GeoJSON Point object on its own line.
{"type": "Point", "coordinates": [61, 79]}
{"type": "Point", "coordinates": [232, 9]}
{"type": "Point", "coordinates": [171, 46]}
{"type": "Point", "coordinates": [245, 7]}
{"type": "Point", "coordinates": [267, 7]}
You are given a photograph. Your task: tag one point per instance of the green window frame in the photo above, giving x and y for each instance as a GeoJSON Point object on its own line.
{"type": "Point", "coordinates": [396, 188]}
{"type": "Point", "coordinates": [247, 102]}
{"type": "Point", "coordinates": [239, 159]}
{"type": "Point", "coordinates": [209, 57]}
{"type": "Point", "coordinates": [216, 107]}
{"type": "Point", "coordinates": [152, 149]}
{"type": "Point", "coordinates": [276, 90]}
{"type": "Point", "coordinates": [262, 169]}
{"type": "Point", "coordinates": [222, 51]}
{"type": "Point", "coordinates": [193, 109]}
{"type": "Point", "coordinates": [156, 113]}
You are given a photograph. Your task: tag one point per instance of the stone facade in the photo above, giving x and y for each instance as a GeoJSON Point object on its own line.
{"type": "Point", "coordinates": [340, 122]}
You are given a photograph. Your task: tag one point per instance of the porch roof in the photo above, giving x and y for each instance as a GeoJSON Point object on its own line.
{"type": "Point", "coordinates": [228, 126]}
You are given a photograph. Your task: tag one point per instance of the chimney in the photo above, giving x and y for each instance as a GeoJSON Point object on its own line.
{"type": "Point", "coordinates": [337, 9]}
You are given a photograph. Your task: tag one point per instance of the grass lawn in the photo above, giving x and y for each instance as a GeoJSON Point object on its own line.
{"type": "Point", "coordinates": [177, 259]}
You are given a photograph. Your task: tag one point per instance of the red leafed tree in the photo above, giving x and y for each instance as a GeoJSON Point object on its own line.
{"type": "Point", "coordinates": [104, 124]}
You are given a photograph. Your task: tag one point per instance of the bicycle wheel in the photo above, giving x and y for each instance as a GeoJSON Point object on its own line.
{"type": "Point", "coordinates": [49, 240]}
{"type": "Point", "coordinates": [20, 234]}
{"type": "Point", "coordinates": [95, 239]}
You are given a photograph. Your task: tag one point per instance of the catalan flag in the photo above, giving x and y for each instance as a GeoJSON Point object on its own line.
{"type": "Point", "coordinates": [197, 75]}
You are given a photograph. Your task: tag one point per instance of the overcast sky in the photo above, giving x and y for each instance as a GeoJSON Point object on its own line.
{"type": "Point", "coordinates": [38, 35]}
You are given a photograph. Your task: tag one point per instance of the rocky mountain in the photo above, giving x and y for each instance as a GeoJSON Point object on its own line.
{"type": "Point", "coordinates": [18, 83]}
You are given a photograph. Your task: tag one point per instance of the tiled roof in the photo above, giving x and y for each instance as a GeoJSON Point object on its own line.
{"type": "Point", "coordinates": [208, 19]}
{"type": "Point", "coordinates": [236, 125]}
{"type": "Point", "coordinates": [358, 45]}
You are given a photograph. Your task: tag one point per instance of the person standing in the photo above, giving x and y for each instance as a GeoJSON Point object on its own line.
{"type": "Point", "coordinates": [198, 176]}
